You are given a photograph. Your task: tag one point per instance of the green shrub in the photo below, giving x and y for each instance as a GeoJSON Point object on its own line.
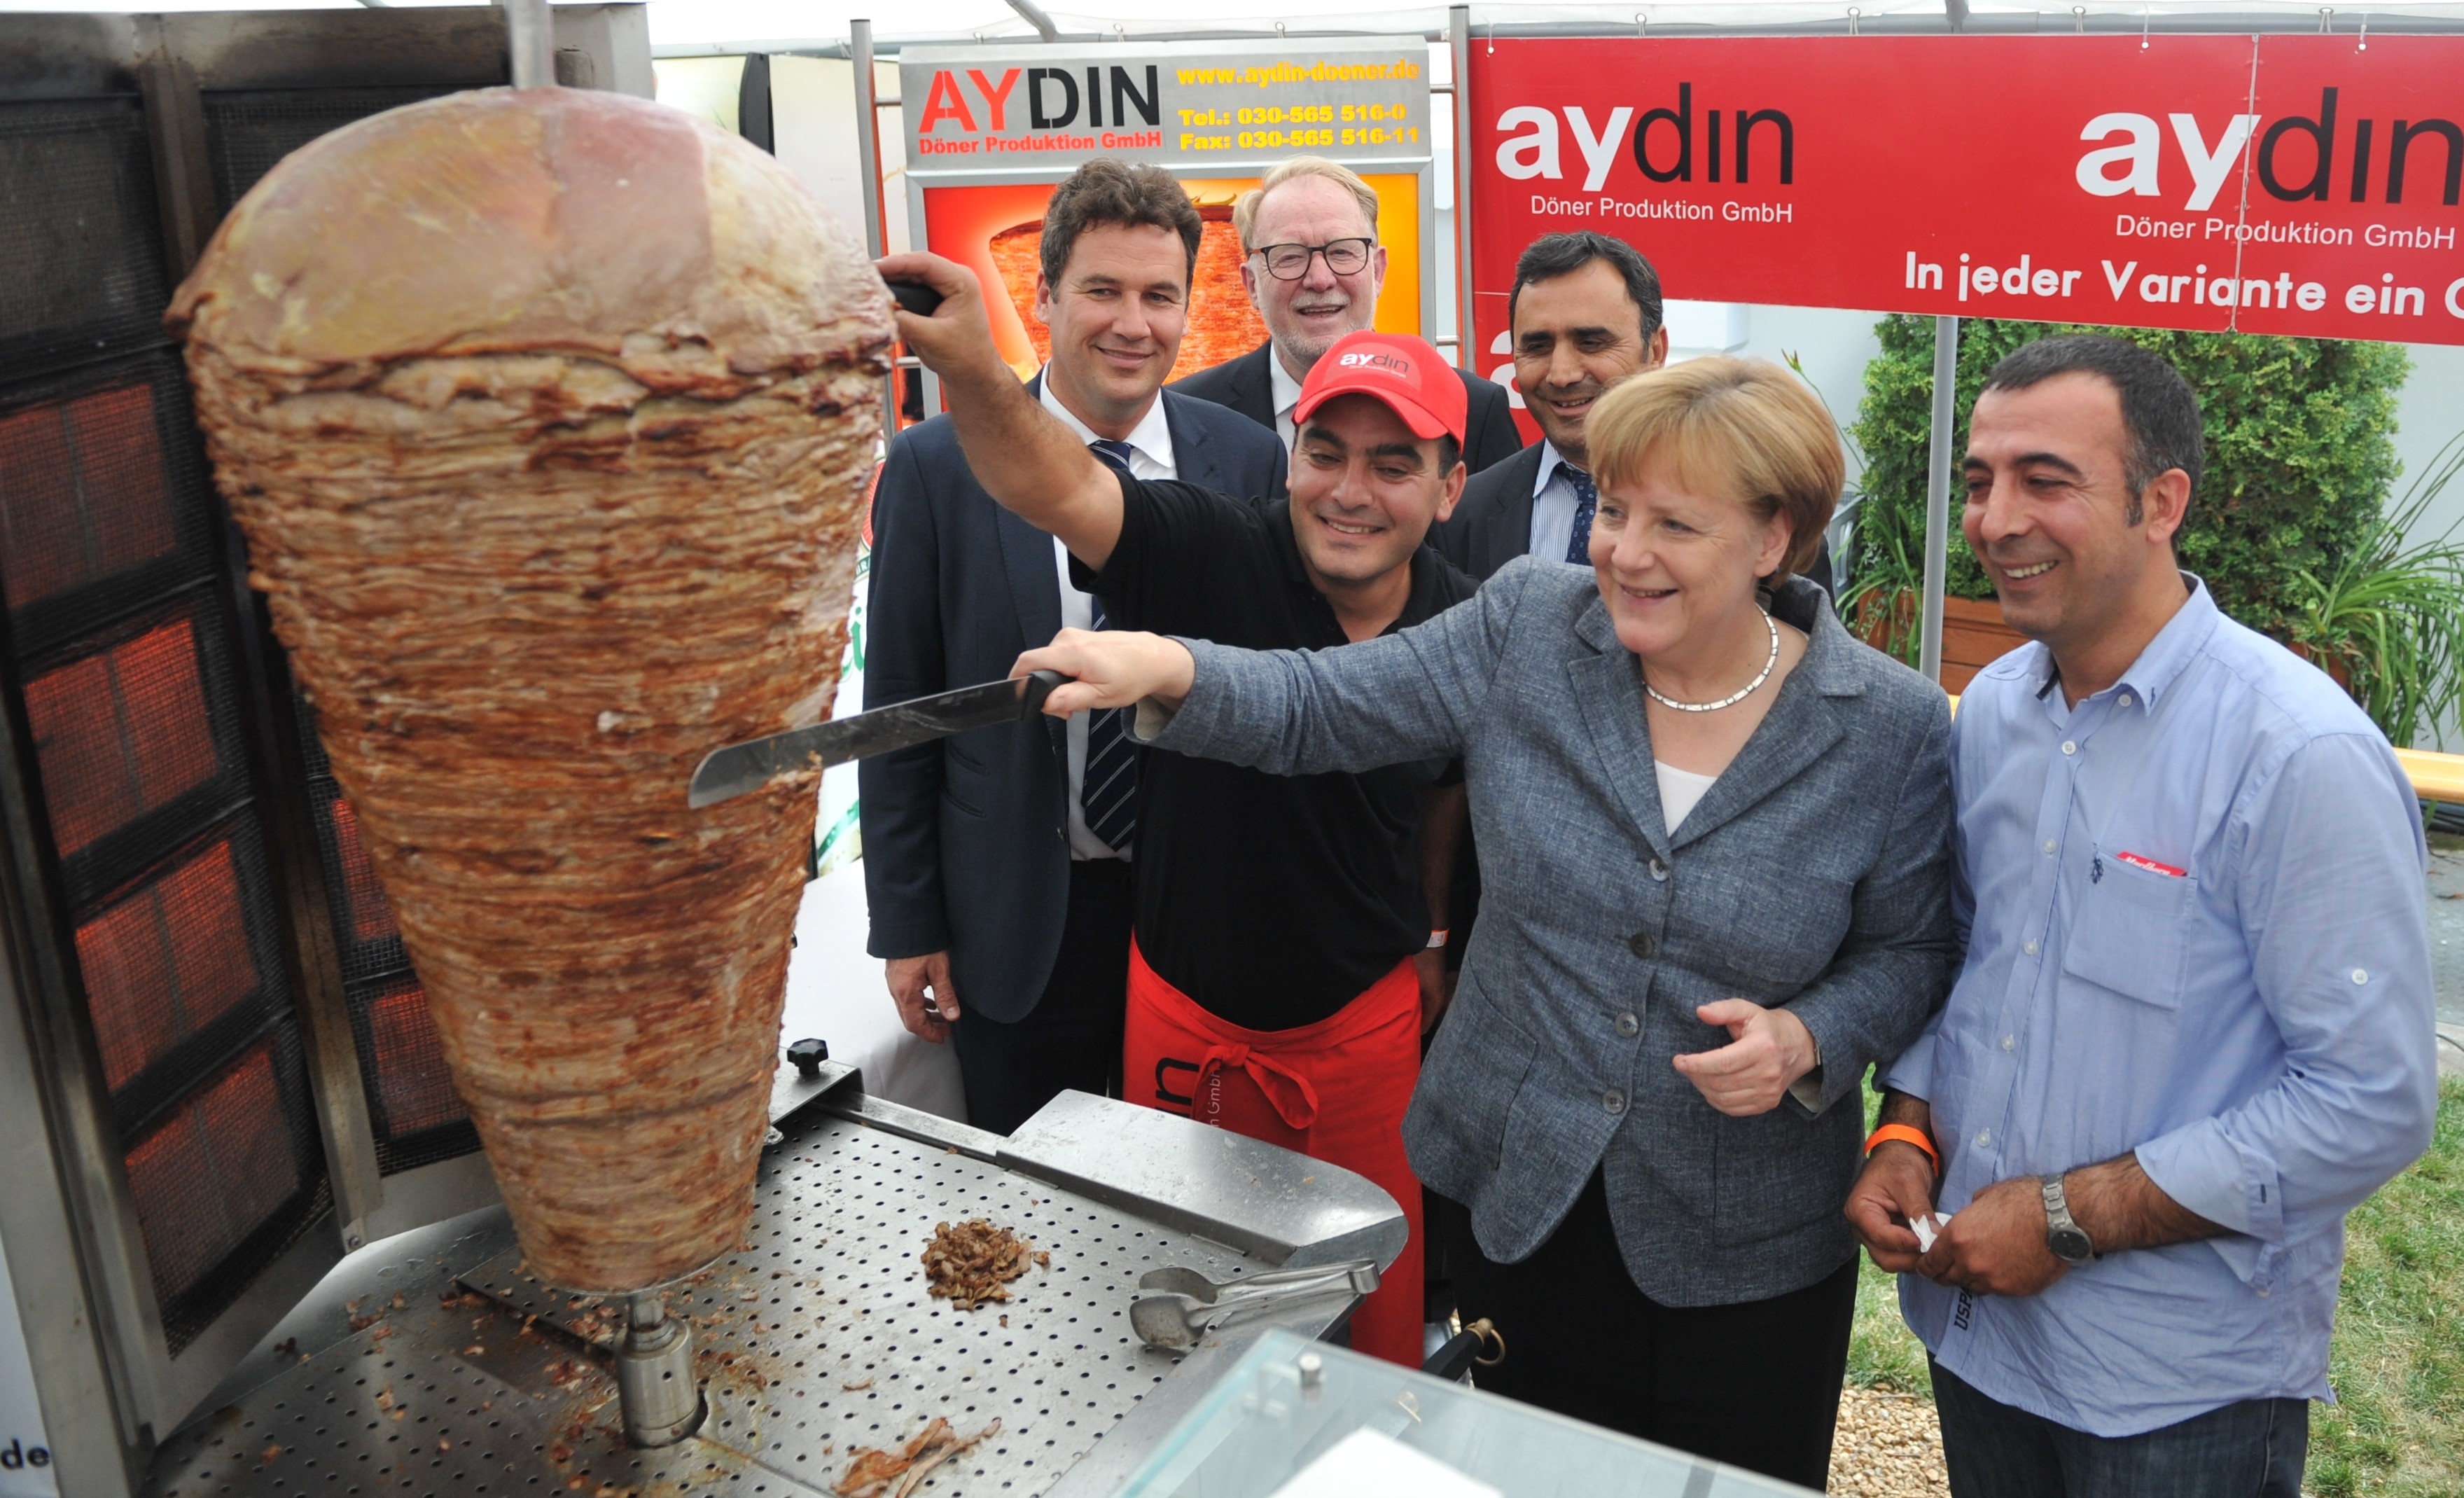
{"type": "Point", "coordinates": [2301, 455]}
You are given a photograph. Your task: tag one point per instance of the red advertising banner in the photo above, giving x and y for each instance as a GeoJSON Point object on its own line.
{"type": "Point", "coordinates": [2298, 185]}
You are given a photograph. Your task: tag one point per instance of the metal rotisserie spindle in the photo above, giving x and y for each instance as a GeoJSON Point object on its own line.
{"type": "Point", "coordinates": [662, 1404]}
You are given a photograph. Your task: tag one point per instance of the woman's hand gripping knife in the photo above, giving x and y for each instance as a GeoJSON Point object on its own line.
{"type": "Point", "coordinates": [1113, 669]}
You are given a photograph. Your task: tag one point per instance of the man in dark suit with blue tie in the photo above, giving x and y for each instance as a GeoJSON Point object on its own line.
{"type": "Point", "coordinates": [1585, 314]}
{"type": "Point", "coordinates": [997, 863]}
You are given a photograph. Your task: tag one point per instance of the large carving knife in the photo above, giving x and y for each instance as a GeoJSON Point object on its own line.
{"type": "Point", "coordinates": [748, 766]}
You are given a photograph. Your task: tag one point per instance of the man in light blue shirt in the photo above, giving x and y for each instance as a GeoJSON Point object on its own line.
{"type": "Point", "coordinates": [2193, 1028]}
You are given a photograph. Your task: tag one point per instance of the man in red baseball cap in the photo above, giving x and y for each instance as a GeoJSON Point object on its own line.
{"type": "Point", "coordinates": [1289, 933]}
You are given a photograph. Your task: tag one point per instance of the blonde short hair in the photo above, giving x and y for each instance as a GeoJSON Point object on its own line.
{"type": "Point", "coordinates": [1244, 209]}
{"type": "Point", "coordinates": [1741, 428]}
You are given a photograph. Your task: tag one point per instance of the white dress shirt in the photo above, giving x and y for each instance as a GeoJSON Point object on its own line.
{"type": "Point", "coordinates": [1150, 457]}
{"type": "Point", "coordinates": [1286, 394]}
{"type": "Point", "coordinates": [1552, 506]}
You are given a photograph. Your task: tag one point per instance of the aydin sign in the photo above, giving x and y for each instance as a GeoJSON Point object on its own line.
{"type": "Point", "coordinates": [2281, 183]}
{"type": "Point", "coordinates": [2311, 141]}
{"type": "Point", "coordinates": [978, 110]}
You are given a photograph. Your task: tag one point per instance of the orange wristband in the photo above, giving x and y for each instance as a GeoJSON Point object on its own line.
{"type": "Point", "coordinates": [1906, 1135]}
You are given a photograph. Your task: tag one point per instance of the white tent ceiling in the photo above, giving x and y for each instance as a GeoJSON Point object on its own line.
{"type": "Point", "coordinates": [807, 25]}
{"type": "Point", "coordinates": [675, 22]}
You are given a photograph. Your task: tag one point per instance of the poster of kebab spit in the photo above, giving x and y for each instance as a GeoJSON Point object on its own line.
{"type": "Point", "coordinates": [991, 129]}
{"type": "Point", "coordinates": [2303, 184]}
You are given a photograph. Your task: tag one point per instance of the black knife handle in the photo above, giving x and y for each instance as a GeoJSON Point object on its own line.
{"type": "Point", "coordinates": [1039, 686]}
{"type": "Point", "coordinates": [915, 296]}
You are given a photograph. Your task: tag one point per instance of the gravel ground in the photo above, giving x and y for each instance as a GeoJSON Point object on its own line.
{"type": "Point", "coordinates": [1888, 1445]}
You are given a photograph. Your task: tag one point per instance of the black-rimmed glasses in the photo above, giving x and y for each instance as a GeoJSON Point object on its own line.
{"type": "Point", "coordinates": [1291, 262]}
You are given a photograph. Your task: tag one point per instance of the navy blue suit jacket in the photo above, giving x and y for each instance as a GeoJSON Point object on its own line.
{"type": "Point", "coordinates": [966, 841]}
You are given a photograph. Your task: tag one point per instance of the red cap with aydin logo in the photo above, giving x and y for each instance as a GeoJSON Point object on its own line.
{"type": "Point", "coordinates": [1393, 367]}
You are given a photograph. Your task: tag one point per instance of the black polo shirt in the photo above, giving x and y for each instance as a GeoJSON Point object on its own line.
{"type": "Point", "coordinates": [1271, 900]}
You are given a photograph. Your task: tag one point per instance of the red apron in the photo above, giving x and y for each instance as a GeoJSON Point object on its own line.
{"type": "Point", "coordinates": [1334, 1091]}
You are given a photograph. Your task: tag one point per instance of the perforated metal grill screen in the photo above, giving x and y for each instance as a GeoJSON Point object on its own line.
{"type": "Point", "coordinates": [80, 241]}
{"type": "Point", "coordinates": [81, 492]}
{"type": "Point", "coordinates": [419, 1118]}
{"type": "Point", "coordinates": [123, 656]}
{"type": "Point", "coordinates": [247, 130]}
{"type": "Point", "coordinates": [124, 732]}
{"type": "Point", "coordinates": [224, 1182]}
{"type": "Point", "coordinates": [165, 961]}
{"type": "Point", "coordinates": [102, 496]}
{"type": "Point", "coordinates": [414, 1091]}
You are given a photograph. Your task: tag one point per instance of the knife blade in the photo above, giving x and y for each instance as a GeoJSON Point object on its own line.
{"type": "Point", "coordinates": [737, 768]}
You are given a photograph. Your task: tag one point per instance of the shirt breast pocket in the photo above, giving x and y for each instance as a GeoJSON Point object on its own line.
{"type": "Point", "coordinates": [2131, 931]}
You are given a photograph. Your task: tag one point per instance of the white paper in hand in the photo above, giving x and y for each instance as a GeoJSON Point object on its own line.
{"type": "Point", "coordinates": [1928, 1227]}
{"type": "Point", "coordinates": [1367, 1465]}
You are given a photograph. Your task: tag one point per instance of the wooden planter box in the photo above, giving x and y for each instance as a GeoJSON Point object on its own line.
{"type": "Point", "coordinates": [1973, 635]}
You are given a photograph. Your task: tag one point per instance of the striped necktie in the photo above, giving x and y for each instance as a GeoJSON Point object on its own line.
{"type": "Point", "coordinates": [1108, 795]}
{"type": "Point", "coordinates": [1587, 500]}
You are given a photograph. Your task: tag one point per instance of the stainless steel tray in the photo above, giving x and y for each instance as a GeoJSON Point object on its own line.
{"type": "Point", "coordinates": [814, 1342]}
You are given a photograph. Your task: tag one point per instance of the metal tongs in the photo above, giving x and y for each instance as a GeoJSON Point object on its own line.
{"type": "Point", "coordinates": [1179, 1306]}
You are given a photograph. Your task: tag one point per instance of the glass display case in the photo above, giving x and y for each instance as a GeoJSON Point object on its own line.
{"type": "Point", "coordinates": [1294, 1419]}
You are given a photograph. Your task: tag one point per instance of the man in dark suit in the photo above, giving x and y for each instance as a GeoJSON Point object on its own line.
{"type": "Point", "coordinates": [1312, 266]}
{"type": "Point", "coordinates": [997, 861]}
{"type": "Point", "coordinates": [1586, 314]}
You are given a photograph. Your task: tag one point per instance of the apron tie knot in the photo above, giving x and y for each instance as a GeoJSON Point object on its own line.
{"type": "Point", "coordinates": [1293, 1098]}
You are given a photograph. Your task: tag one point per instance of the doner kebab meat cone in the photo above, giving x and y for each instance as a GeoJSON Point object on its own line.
{"type": "Point", "coordinates": [547, 415]}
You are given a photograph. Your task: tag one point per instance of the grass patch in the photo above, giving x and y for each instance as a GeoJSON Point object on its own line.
{"type": "Point", "coordinates": [2397, 1361]}
{"type": "Point", "coordinates": [1882, 1352]}
{"type": "Point", "coordinates": [2397, 1365]}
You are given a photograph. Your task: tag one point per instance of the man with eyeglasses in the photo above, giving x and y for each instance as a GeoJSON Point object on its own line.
{"type": "Point", "coordinates": [1313, 267]}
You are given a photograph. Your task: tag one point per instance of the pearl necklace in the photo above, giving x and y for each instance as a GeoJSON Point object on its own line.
{"type": "Point", "coordinates": [1733, 698]}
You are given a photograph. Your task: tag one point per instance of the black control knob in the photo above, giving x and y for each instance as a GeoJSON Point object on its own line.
{"type": "Point", "coordinates": [808, 1056]}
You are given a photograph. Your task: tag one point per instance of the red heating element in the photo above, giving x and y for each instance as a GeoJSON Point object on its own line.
{"type": "Point", "coordinates": [371, 918]}
{"type": "Point", "coordinates": [121, 734]}
{"type": "Point", "coordinates": [413, 1086]}
{"type": "Point", "coordinates": [81, 493]}
{"type": "Point", "coordinates": [165, 962]}
{"type": "Point", "coordinates": [214, 1171]}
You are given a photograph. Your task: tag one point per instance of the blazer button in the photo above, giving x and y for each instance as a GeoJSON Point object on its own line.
{"type": "Point", "coordinates": [1658, 872]}
{"type": "Point", "coordinates": [1613, 1100]}
{"type": "Point", "coordinates": [1640, 944]}
{"type": "Point", "coordinates": [1628, 1025]}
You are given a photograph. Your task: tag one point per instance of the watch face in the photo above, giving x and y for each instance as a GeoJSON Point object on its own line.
{"type": "Point", "coordinates": [2070, 1245]}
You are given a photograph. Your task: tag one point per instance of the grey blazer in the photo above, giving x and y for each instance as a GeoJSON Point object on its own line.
{"type": "Point", "coordinates": [1816, 873]}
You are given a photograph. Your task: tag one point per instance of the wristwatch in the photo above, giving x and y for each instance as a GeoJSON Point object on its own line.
{"type": "Point", "coordinates": [2068, 1241]}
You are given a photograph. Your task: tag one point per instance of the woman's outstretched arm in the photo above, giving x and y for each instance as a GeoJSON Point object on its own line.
{"type": "Point", "coordinates": [1414, 695]}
